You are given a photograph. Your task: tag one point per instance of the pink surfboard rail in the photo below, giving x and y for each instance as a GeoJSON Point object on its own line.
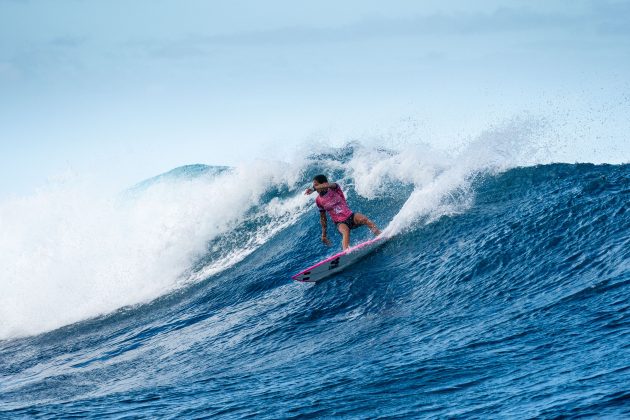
{"type": "Point", "coordinates": [336, 256]}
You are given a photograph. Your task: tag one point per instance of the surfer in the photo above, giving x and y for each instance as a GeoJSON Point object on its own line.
{"type": "Point", "coordinates": [332, 200]}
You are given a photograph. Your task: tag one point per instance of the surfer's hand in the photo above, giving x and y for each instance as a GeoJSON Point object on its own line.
{"type": "Point", "coordinates": [326, 241]}
{"type": "Point", "coordinates": [309, 191]}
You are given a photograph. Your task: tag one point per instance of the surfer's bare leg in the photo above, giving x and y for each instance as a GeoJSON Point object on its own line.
{"type": "Point", "coordinates": [360, 219]}
{"type": "Point", "coordinates": [345, 233]}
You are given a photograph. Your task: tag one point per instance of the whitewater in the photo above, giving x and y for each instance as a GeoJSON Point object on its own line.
{"type": "Point", "coordinates": [501, 291]}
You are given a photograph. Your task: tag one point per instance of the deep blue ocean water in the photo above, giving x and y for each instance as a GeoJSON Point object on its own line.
{"type": "Point", "coordinates": [515, 307]}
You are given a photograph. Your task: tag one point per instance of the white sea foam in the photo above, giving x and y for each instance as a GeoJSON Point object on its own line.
{"type": "Point", "coordinates": [69, 253]}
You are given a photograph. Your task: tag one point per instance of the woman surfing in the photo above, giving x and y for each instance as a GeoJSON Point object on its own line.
{"type": "Point", "coordinates": [331, 200]}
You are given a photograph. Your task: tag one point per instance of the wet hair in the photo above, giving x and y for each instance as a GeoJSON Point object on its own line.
{"type": "Point", "coordinates": [320, 178]}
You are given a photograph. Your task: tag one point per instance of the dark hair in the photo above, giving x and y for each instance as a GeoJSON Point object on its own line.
{"type": "Point", "coordinates": [320, 178]}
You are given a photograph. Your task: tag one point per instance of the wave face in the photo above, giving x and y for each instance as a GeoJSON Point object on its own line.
{"type": "Point", "coordinates": [500, 293]}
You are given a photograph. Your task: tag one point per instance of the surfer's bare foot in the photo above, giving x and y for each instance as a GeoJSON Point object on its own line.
{"type": "Point", "coordinates": [345, 233]}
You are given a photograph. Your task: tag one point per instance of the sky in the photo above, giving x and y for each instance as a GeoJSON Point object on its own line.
{"type": "Point", "coordinates": [124, 90]}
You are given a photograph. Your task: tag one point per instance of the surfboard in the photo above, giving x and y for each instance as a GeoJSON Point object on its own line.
{"type": "Point", "coordinates": [338, 262]}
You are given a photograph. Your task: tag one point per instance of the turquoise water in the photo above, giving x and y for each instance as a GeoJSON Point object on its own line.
{"type": "Point", "coordinates": [509, 301]}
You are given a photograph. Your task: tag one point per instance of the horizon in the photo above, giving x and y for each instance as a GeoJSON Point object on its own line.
{"type": "Point", "coordinates": [123, 92]}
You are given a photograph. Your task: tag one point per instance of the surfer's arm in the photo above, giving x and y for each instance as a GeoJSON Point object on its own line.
{"type": "Point", "coordinates": [332, 185]}
{"type": "Point", "coordinates": [324, 222]}
{"type": "Point", "coordinates": [313, 189]}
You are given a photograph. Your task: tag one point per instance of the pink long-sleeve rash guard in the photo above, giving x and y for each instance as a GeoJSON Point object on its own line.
{"type": "Point", "coordinates": [334, 202]}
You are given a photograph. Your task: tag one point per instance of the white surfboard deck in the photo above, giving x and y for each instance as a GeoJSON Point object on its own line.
{"type": "Point", "coordinates": [338, 262]}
